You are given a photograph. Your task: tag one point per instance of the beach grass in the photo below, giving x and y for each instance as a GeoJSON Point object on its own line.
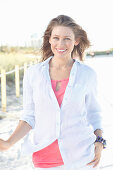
{"type": "Point", "coordinates": [9, 60]}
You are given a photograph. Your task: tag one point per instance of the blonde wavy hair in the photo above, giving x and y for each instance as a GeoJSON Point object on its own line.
{"type": "Point", "coordinates": [80, 34]}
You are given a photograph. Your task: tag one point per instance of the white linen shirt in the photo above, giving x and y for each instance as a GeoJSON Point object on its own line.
{"type": "Point", "coordinates": [73, 124]}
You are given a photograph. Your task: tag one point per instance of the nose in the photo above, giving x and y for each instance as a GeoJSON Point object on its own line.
{"type": "Point", "coordinates": [61, 42]}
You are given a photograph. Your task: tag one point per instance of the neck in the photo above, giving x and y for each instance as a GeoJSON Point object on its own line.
{"type": "Point", "coordinates": [61, 63]}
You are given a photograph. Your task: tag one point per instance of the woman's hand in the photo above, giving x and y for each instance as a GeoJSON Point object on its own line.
{"type": "Point", "coordinates": [21, 130]}
{"type": "Point", "coordinates": [4, 145]}
{"type": "Point", "coordinates": [98, 150]}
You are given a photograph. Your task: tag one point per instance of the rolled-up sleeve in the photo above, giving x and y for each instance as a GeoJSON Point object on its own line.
{"type": "Point", "coordinates": [28, 104]}
{"type": "Point", "coordinates": [94, 111]}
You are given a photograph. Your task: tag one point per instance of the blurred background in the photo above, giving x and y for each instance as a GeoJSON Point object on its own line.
{"type": "Point", "coordinates": [22, 24]}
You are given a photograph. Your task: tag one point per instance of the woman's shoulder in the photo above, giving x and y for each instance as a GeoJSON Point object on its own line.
{"type": "Point", "coordinates": [87, 72]}
{"type": "Point", "coordinates": [86, 68]}
{"type": "Point", "coordinates": [39, 66]}
{"type": "Point", "coordinates": [33, 71]}
{"type": "Point", "coordinates": [34, 67]}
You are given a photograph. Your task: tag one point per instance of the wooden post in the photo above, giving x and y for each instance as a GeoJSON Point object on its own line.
{"type": "Point", "coordinates": [25, 67]}
{"type": "Point", "coordinates": [17, 81]}
{"type": "Point", "coordinates": [3, 90]}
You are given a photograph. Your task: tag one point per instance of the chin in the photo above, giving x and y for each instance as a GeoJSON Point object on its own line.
{"type": "Point", "coordinates": [60, 55]}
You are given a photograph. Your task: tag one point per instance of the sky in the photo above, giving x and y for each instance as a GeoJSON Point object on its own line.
{"type": "Point", "coordinates": [21, 19]}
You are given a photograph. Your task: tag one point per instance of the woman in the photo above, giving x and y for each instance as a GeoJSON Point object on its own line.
{"type": "Point", "coordinates": [60, 103]}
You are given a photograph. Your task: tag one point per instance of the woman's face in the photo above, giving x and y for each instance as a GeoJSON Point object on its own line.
{"type": "Point", "coordinates": [62, 41]}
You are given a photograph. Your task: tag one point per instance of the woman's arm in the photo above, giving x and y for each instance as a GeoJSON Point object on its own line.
{"type": "Point", "coordinates": [94, 117]}
{"type": "Point", "coordinates": [21, 130]}
{"type": "Point", "coordinates": [98, 149]}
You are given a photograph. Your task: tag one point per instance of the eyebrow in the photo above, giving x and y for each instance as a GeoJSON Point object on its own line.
{"type": "Point", "coordinates": [64, 36]}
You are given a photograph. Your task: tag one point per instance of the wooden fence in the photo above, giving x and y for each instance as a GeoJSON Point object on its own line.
{"type": "Point", "coordinates": [17, 82]}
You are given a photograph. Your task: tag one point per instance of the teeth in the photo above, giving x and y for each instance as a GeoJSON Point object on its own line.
{"type": "Point", "coordinates": [61, 50]}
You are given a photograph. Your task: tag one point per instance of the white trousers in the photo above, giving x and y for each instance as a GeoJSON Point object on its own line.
{"type": "Point", "coordinates": [63, 168]}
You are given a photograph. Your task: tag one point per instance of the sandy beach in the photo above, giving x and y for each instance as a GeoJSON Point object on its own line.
{"type": "Point", "coordinates": [13, 160]}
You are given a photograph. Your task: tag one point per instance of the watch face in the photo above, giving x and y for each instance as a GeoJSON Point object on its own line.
{"type": "Point", "coordinates": [104, 143]}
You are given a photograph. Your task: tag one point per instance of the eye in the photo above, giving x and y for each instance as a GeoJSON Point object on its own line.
{"type": "Point", "coordinates": [56, 38]}
{"type": "Point", "coordinates": [67, 38]}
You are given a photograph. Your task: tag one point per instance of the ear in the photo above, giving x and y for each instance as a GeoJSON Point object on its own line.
{"type": "Point", "coordinates": [50, 40]}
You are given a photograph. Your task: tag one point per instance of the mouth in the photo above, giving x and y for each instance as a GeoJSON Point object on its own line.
{"type": "Point", "coordinates": [60, 51]}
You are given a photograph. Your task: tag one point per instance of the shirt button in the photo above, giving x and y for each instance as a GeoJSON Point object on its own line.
{"type": "Point", "coordinates": [58, 124]}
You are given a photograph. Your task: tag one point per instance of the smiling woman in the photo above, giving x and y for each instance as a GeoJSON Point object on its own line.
{"type": "Point", "coordinates": [69, 32]}
{"type": "Point", "coordinates": [60, 103]}
{"type": "Point", "coordinates": [62, 41]}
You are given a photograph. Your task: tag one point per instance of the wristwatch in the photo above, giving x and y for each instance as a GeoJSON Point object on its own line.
{"type": "Point", "coordinates": [101, 140]}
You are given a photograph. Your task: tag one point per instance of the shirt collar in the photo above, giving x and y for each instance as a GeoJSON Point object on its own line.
{"type": "Point", "coordinates": [72, 73]}
{"type": "Point", "coordinates": [46, 62]}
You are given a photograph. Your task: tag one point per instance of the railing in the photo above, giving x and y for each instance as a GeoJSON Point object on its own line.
{"type": "Point", "coordinates": [17, 82]}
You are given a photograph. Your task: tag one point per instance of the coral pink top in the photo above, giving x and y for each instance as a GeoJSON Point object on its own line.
{"type": "Point", "coordinates": [50, 156]}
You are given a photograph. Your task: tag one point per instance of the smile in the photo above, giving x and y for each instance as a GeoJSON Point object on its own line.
{"type": "Point", "coordinates": [61, 51]}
